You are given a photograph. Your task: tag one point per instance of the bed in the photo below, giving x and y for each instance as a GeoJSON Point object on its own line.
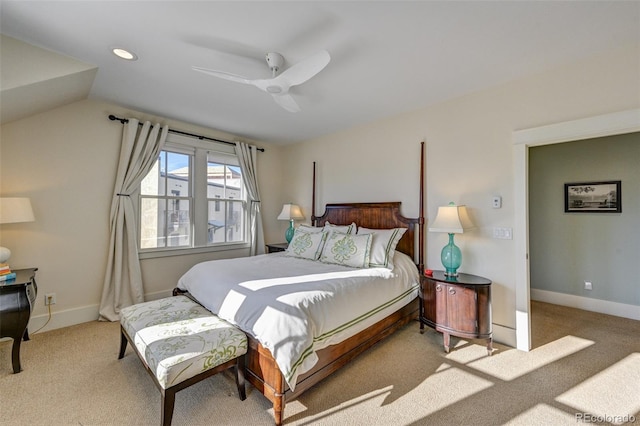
{"type": "Point", "coordinates": [276, 379]}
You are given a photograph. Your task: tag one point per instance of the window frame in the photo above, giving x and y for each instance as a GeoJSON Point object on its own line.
{"type": "Point", "coordinates": [200, 151]}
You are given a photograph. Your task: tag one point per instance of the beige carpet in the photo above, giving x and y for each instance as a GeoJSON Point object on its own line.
{"type": "Point", "coordinates": [581, 363]}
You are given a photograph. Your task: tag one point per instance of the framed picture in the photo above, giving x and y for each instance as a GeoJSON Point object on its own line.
{"type": "Point", "coordinates": [593, 197]}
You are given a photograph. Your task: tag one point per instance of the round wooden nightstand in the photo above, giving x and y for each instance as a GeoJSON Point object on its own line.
{"type": "Point", "coordinates": [459, 306]}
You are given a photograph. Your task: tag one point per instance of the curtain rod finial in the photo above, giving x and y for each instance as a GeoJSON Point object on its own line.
{"type": "Point", "coordinates": [121, 120]}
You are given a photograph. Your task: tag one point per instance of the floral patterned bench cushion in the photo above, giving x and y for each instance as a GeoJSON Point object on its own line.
{"type": "Point", "coordinates": [179, 338]}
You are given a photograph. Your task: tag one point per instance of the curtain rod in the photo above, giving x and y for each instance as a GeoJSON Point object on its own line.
{"type": "Point", "coordinates": [125, 120]}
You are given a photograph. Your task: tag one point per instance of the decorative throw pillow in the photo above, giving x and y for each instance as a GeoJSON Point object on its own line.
{"type": "Point", "coordinates": [345, 229]}
{"type": "Point", "coordinates": [307, 245]}
{"type": "Point", "coordinates": [383, 245]}
{"type": "Point", "coordinates": [347, 249]}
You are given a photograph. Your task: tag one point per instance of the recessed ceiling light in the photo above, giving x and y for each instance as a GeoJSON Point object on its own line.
{"type": "Point", "coordinates": [124, 54]}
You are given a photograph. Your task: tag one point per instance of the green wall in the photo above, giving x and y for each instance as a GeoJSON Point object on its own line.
{"type": "Point", "coordinates": [567, 249]}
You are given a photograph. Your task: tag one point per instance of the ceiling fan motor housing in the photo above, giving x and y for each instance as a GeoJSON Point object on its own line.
{"type": "Point", "coordinates": [275, 61]}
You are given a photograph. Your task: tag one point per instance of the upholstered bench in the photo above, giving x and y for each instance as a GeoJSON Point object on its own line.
{"type": "Point", "coordinates": [180, 343]}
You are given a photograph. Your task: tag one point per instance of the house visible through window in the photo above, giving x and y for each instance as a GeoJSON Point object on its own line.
{"type": "Point", "coordinates": [226, 202]}
{"type": "Point", "coordinates": [192, 197]}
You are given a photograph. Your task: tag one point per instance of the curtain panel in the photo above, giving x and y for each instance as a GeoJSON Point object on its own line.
{"type": "Point", "coordinates": [247, 157]}
{"type": "Point", "coordinates": [139, 152]}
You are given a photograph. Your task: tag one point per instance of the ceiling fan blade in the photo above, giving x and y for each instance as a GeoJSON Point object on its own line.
{"type": "Point", "coordinates": [262, 84]}
{"type": "Point", "coordinates": [287, 102]}
{"type": "Point", "coordinates": [305, 69]}
{"type": "Point", "coordinates": [225, 75]}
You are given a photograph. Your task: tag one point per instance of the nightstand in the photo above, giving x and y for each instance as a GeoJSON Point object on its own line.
{"type": "Point", "coordinates": [458, 306]}
{"type": "Point", "coordinates": [17, 297]}
{"type": "Point", "coordinates": [274, 248]}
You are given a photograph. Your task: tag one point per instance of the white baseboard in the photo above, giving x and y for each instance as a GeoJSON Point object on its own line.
{"type": "Point", "coordinates": [588, 304]}
{"type": "Point", "coordinates": [158, 295]}
{"type": "Point", "coordinates": [64, 318]}
{"type": "Point", "coordinates": [504, 335]}
{"type": "Point", "coordinates": [79, 315]}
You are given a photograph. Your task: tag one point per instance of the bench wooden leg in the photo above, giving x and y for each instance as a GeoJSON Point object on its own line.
{"type": "Point", "coordinates": [168, 402]}
{"type": "Point", "coordinates": [123, 344]}
{"type": "Point", "coordinates": [240, 382]}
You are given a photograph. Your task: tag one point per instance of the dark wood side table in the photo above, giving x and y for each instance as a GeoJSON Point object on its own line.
{"type": "Point", "coordinates": [276, 247]}
{"type": "Point", "coordinates": [17, 297]}
{"type": "Point", "coordinates": [459, 306]}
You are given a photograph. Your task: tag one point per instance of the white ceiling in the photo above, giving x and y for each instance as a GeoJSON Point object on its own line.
{"type": "Point", "coordinates": [387, 56]}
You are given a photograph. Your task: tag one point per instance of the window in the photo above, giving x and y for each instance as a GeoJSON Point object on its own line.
{"type": "Point", "coordinates": [226, 201]}
{"type": "Point", "coordinates": [193, 197]}
{"type": "Point", "coordinates": [165, 203]}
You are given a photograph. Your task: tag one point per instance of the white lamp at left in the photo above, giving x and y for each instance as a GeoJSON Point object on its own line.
{"type": "Point", "coordinates": [14, 210]}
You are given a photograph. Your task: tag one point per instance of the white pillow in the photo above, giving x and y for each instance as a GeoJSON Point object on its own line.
{"type": "Point", "coordinates": [347, 249]}
{"type": "Point", "coordinates": [306, 245]}
{"type": "Point", "coordinates": [345, 229]}
{"type": "Point", "coordinates": [310, 229]}
{"type": "Point", "coordinates": [383, 245]}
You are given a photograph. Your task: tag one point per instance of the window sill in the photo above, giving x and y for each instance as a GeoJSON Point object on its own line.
{"type": "Point", "coordinates": [192, 250]}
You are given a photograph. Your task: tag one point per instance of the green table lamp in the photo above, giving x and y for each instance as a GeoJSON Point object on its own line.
{"type": "Point", "coordinates": [451, 219]}
{"type": "Point", "coordinates": [290, 212]}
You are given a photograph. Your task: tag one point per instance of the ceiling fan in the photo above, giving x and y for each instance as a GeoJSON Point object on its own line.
{"type": "Point", "coordinates": [278, 85]}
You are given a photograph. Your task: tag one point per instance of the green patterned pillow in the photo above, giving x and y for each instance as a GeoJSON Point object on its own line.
{"type": "Point", "coordinates": [383, 245]}
{"type": "Point", "coordinates": [345, 229]}
{"type": "Point", "coordinates": [307, 245]}
{"type": "Point", "coordinates": [347, 250]}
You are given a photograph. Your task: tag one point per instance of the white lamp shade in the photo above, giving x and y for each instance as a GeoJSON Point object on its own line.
{"type": "Point", "coordinates": [451, 219]}
{"type": "Point", "coordinates": [5, 254]}
{"type": "Point", "coordinates": [15, 210]}
{"type": "Point", "coordinates": [291, 211]}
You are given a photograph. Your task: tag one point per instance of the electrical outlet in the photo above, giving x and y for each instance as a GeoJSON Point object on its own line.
{"type": "Point", "coordinates": [49, 299]}
{"type": "Point", "coordinates": [588, 285]}
{"type": "Point", "coordinates": [496, 202]}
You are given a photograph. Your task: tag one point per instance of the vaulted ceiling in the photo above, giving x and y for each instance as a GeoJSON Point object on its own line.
{"type": "Point", "coordinates": [387, 57]}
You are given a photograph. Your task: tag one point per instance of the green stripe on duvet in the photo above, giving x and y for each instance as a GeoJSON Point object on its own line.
{"type": "Point", "coordinates": [343, 327]}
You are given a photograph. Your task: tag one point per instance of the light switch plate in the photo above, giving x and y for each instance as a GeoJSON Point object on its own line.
{"type": "Point", "coordinates": [503, 233]}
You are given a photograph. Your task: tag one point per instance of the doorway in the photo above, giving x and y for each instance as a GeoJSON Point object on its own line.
{"type": "Point", "coordinates": [587, 128]}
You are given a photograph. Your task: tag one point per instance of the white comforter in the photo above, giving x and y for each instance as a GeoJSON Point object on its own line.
{"type": "Point", "coordinates": [294, 307]}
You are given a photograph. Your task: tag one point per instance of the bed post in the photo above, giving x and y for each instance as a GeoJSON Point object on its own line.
{"type": "Point", "coordinates": [313, 197]}
{"type": "Point", "coordinates": [421, 215]}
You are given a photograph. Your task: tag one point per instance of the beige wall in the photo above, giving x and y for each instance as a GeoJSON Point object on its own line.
{"type": "Point", "coordinates": [65, 160]}
{"type": "Point", "coordinates": [469, 157]}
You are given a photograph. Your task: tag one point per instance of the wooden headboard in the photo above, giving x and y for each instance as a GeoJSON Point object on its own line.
{"type": "Point", "coordinates": [373, 216]}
